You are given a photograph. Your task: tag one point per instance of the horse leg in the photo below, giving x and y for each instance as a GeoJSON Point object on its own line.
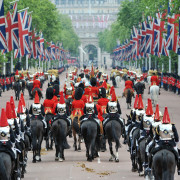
{"type": "Point", "coordinates": [61, 152]}
{"type": "Point", "coordinates": [92, 149]}
{"type": "Point", "coordinates": [75, 140]}
{"type": "Point", "coordinates": [39, 146]}
{"type": "Point", "coordinates": [79, 143]}
{"type": "Point", "coordinates": [117, 154]}
{"type": "Point", "coordinates": [111, 151]}
{"type": "Point", "coordinates": [57, 151]}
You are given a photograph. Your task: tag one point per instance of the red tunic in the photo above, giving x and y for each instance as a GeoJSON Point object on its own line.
{"type": "Point", "coordinates": [8, 81]}
{"type": "Point", "coordinates": [36, 84]}
{"type": "Point", "coordinates": [154, 80]}
{"type": "Point", "coordinates": [48, 106]}
{"type": "Point", "coordinates": [103, 103]}
{"type": "Point", "coordinates": [94, 91]}
{"type": "Point", "coordinates": [78, 106]}
{"type": "Point", "coordinates": [128, 85]}
{"type": "Point", "coordinates": [84, 99]}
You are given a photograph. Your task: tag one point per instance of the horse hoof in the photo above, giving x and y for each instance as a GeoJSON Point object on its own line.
{"type": "Point", "coordinates": [37, 158]}
{"type": "Point", "coordinates": [60, 160]}
{"type": "Point", "coordinates": [89, 159]}
{"type": "Point", "coordinates": [111, 159]}
{"type": "Point", "coordinates": [56, 158]}
{"type": "Point", "coordinates": [141, 173]}
{"type": "Point", "coordinates": [134, 170]}
{"type": "Point", "coordinates": [33, 161]}
{"type": "Point", "coordinates": [116, 160]}
{"type": "Point", "coordinates": [22, 175]}
{"type": "Point", "coordinates": [79, 149]}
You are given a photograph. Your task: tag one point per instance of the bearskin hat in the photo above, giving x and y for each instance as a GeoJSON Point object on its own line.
{"type": "Point", "coordinates": [49, 93]}
{"type": "Point", "coordinates": [81, 75]}
{"type": "Point", "coordinates": [87, 76]}
{"type": "Point", "coordinates": [102, 92]}
{"type": "Point", "coordinates": [81, 85]}
{"type": "Point", "coordinates": [93, 81]}
{"type": "Point", "coordinates": [78, 93]}
{"type": "Point", "coordinates": [56, 89]}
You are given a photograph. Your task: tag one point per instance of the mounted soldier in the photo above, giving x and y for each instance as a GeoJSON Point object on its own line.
{"type": "Point", "coordinates": [17, 85]}
{"type": "Point", "coordinates": [166, 137]}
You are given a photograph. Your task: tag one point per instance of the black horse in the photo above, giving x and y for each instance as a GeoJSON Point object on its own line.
{"type": "Point", "coordinates": [29, 86]}
{"type": "Point", "coordinates": [139, 88]}
{"type": "Point", "coordinates": [113, 131]}
{"type": "Point", "coordinates": [17, 88]}
{"type": "Point", "coordinates": [89, 129]}
{"type": "Point", "coordinates": [37, 131]}
{"type": "Point", "coordinates": [6, 166]}
{"type": "Point", "coordinates": [59, 132]}
{"type": "Point", "coordinates": [164, 165]}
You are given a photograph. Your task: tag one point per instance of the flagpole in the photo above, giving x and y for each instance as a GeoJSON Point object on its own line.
{"type": "Point", "coordinates": [23, 9]}
{"type": "Point", "coordinates": [13, 2]}
{"type": "Point", "coordinates": [27, 62]}
{"type": "Point", "coordinates": [169, 63]}
{"type": "Point", "coordinates": [178, 65]}
{"type": "Point", "coordinates": [146, 63]}
{"type": "Point", "coordinates": [11, 61]}
{"type": "Point", "coordinates": [4, 66]}
{"type": "Point", "coordinates": [149, 62]}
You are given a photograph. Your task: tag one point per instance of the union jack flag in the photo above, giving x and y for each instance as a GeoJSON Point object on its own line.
{"type": "Point", "coordinates": [53, 53]}
{"type": "Point", "coordinates": [40, 44]}
{"type": "Point", "coordinates": [3, 44]}
{"type": "Point", "coordinates": [23, 33]}
{"type": "Point", "coordinates": [149, 35]}
{"type": "Point", "coordinates": [17, 53]}
{"type": "Point", "coordinates": [12, 30]}
{"type": "Point", "coordinates": [172, 32]}
{"type": "Point", "coordinates": [143, 39]}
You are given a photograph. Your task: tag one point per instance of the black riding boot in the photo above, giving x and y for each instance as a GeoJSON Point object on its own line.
{"type": "Point", "coordinates": [178, 163]}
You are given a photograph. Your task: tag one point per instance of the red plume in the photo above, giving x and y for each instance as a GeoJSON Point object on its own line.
{"type": "Point", "coordinates": [8, 110]}
{"type": "Point", "coordinates": [136, 102]}
{"type": "Point", "coordinates": [140, 103]}
{"type": "Point", "coordinates": [157, 116]}
{"type": "Point", "coordinates": [3, 120]}
{"type": "Point", "coordinates": [149, 110]}
{"type": "Point", "coordinates": [36, 99]}
{"type": "Point", "coordinates": [166, 118]}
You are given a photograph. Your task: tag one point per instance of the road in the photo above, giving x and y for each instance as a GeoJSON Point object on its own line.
{"type": "Point", "coordinates": [75, 166]}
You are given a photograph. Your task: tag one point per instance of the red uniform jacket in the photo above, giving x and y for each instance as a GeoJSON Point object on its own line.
{"type": "Point", "coordinates": [36, 84]}
{"type": "Point", "coordinates": [48, 106]}
{"type": "Point", "coordinates": [84, 99]}
{"type": "Point", "coordinates": [78, 106]}
{"type": "Point", "coordinates": [103, 103]}
{"type": "Point", "coordinates": [128, 85]}
{"type": "Point", "coordinates": [154, 80]}
{"type": "Point", "coordinates": [94, 91]}
{"type": "Point", "coordinates": [8, 81]}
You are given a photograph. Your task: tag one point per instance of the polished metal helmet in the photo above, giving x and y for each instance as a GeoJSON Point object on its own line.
{"type": "Point", "coordinates": [112, 107]}
{"type": "Point", "coordinates": [4, 133]}
{"type": "Point", "coordinates": [61, 108]}
{"type": "Point", "coordinates": [90, 108]}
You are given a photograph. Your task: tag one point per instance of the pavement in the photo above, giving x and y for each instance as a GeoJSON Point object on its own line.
{"type": "Point", "coordinates": [75, 166]}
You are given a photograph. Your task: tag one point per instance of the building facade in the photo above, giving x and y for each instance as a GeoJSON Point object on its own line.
{"type": "Point", "coordinates": [89, 17]}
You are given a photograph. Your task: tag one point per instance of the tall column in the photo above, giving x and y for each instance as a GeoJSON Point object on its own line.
{"type": "Point", "coordinates": [169, 63]}
{"type": "Point", "coordinates": [20, 59]}
{"type": "Point", "coordinates": [146, 63]}
{"type": "Point", "coordinates": [39, 63]}
{"type": "Point", "coordinates": [179, 65]}
{"type": "Point", "coordinates": [136, 64]}
{"type": "Point", "coordinates": [149, 62]}
{"type": "Point", "coordinates": [26, 62]}
{"type": "Point", "coordinates": [99, 56]}
{"type": "Point", "coordinates": [11, 61]}
{"type": "Point", "coordinates": [42, 66]}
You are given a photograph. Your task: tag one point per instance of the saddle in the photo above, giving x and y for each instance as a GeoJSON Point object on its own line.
{"type": "Point", "coordinates": [113, 117]}
{"type": "Point", "coordinates": [167, 146]}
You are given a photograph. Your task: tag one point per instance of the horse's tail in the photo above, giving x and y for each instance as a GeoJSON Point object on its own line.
{"type": "Point", "coordinates": [89, 131]}
{"type": "Point", "coordinates": [34, 136]}
{"type": "Point", "coordinates": [3, 174]}
{"type": "Point", "coordinates": [60, 135]}
{"type": "Point", "coordinates": [164, 165]}
{"type": "Point", "coordinates": [114, 135]}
